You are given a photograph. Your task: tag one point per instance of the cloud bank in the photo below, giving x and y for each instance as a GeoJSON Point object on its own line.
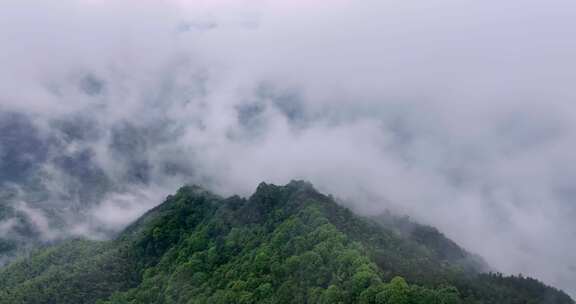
{"type": "Point", "coordinates": [459, 114]}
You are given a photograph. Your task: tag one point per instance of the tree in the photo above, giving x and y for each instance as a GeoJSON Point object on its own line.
{"type": "Point", "coordinates": [395, 292]}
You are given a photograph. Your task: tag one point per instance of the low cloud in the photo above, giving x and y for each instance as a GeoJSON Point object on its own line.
{"type": "Point", "coordinates": [460, 115]}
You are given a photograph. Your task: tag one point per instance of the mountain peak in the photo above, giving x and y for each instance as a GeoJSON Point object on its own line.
{"type": "Point", "coordinates": [285, 244]}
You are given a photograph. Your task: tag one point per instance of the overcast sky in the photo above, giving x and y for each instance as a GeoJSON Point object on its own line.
{"type": "Point", "coordinates": [461, 114]}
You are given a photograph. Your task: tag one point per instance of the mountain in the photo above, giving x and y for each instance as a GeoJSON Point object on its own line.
{"type": "Point", "coordinates": [283, 244]}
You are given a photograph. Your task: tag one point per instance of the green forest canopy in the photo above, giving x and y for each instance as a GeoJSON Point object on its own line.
{"type": "Point", "coordinates": [284, 244]}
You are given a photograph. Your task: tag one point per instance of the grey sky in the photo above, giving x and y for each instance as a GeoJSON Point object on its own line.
{"type": "Point", "coordinates": [459, 113]}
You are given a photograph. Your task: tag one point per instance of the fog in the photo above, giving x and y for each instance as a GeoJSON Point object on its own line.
{"type": "Point", "coordinates": [460, 114]}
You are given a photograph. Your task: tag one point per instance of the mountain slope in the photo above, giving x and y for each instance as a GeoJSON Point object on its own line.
{"type": "Point", "coordinates": [284, 244]}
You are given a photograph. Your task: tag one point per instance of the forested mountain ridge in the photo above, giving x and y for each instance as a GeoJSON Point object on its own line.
{"type": "Point", "coordinates": [284, 244]}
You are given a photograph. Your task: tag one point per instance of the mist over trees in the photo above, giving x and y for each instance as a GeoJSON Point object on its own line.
{"type": "Point", "coordinates": [456, 114]}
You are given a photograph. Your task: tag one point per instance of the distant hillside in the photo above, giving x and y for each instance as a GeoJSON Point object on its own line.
{"type": "Point", "coordinates": [55, 174]}
{"type": "Point", "coordinates": [284, 244]}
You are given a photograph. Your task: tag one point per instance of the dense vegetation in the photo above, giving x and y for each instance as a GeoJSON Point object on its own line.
{"type": "Point", "coordinates": [16, 233]}
{"type": "Point", "coordinates": [285, 244]}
